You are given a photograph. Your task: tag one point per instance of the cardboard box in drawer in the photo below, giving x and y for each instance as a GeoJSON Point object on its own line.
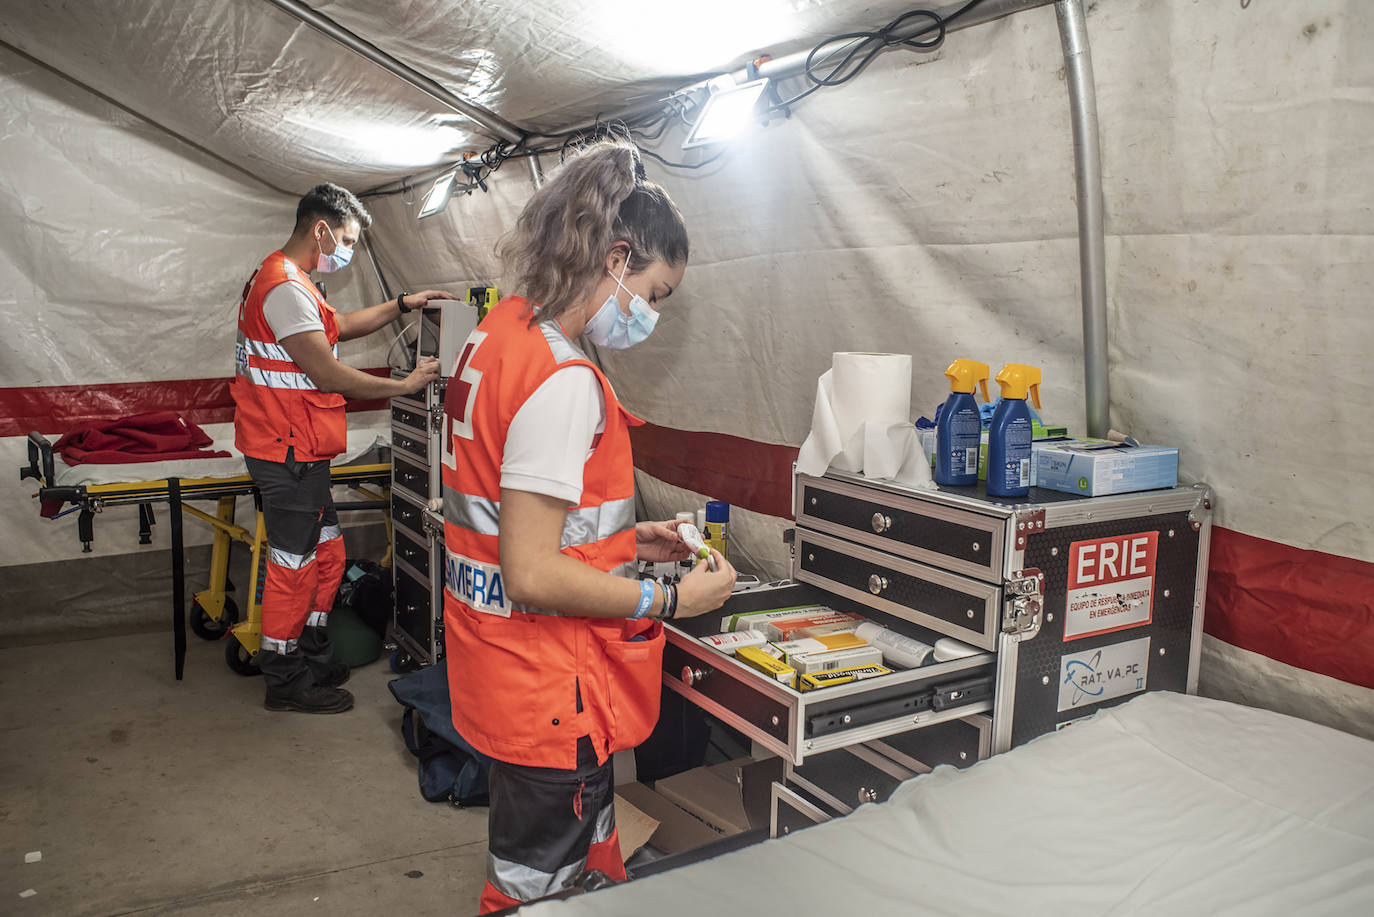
{"type": "Point", "coordinates": [1095, 467]}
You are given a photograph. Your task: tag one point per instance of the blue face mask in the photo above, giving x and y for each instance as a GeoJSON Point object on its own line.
{"type": "Point", "coordinates": [615, 330]}
{"type": "Point", "coordinates": [336, 260]}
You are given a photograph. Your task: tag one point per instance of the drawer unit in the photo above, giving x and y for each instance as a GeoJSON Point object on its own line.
{"type": "Point", "coordinates": [408, 513]}
{"type": "Point", "coordinates": [410, 442]}
{"type": "Point", "coordinates": [408, 412]}
{"type": "Point", "coordinates": [952, 604]}
{"type": "Point", "coordinates": [955, 539]}
{"type": "Point", "coordinates": [846, 778]}
{"type": "Point", "coordinates": [960, 743]}
{"type": "Point", "coordinates": [410, 475]}
{"type": "Point", "coordinates": [792, 811]}
{"type": "Point", "coordinates": [413, 551]}
{"type": "Point", "coordinates": [1086, 601]}
{"type": "Point", "coordinates": [418, 534]}
{"type": "Point", "coordinates": [797, 725]}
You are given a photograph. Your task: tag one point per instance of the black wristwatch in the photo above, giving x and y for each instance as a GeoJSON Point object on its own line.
{"type": "Point", "coordinates": [401, 303]}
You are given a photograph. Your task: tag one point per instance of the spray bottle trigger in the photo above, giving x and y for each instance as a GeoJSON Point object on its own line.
{"type": "Point", "coordinates": [983, 384]}
{"type": "Point", "coordinates": [1035, 394]}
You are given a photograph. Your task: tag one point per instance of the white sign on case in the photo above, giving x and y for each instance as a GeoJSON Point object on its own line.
{"type": "Point", "coordinates": [1096, 675]}
{"type": "Point", "coordinates": [1111, 584]}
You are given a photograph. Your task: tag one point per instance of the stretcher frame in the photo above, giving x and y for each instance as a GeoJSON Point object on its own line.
{"type": "Point", "coordinates": [243, 636]}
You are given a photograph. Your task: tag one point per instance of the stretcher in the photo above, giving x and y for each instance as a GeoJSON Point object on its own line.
{"type": "Point", "coordinates": [1168, 804]}
{"type": "Point", "coordinates": [364, 467]}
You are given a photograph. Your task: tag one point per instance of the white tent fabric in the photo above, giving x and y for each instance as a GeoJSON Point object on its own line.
{"type": "Point", "coordinates": [926, 207]}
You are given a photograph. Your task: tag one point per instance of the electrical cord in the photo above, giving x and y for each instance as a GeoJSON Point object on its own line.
{"type": "Point", "coordinates": [858, 49]}
{"type": "Point", "coordinates": [855, 50]}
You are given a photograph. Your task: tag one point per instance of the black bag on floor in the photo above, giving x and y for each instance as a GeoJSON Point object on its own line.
{"type": "Point", "coordinates": [450, 769]}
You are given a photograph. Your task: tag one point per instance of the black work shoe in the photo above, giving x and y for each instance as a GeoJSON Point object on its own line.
{"type": "Point", "coordinates": [313, 699]}
{"type": "Point", "coordinates": [329, 674]}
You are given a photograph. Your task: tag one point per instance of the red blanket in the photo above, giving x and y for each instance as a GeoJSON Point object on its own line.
{"type": "Point", "coordinates": [156, 437]}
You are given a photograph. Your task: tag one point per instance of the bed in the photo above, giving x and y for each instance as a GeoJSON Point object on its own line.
{"type": "Point", "coordinates": [92, 487]}
{"type": "Point", "coordinates": [1166, 805]}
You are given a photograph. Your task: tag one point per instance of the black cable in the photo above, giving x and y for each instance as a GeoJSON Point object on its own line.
{"type": "Point", "coordinates": [860, 48]}
{"type": "Point", "coordinates": [855, 50]}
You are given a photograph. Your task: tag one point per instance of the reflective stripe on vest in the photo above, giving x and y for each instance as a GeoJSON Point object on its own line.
{"type": "Point", "coordinates": [584, 525]}
{"type": "Point", "coordinates": [481, 587]}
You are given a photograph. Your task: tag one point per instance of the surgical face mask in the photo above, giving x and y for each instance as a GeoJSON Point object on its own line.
{"type": "Point", "coordinates": [615, 330]}
{"type": "Point", "coordinates": [336, 260]}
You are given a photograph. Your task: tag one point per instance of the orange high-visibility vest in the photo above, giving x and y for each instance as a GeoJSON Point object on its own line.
{"type": "Point", "coordinates": [526, 682]}
{"type": "Point", "coordinates": [277, 406]}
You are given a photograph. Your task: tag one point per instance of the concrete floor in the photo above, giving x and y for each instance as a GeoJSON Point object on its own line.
{"type": "Point", "coordinates": [147, 796]}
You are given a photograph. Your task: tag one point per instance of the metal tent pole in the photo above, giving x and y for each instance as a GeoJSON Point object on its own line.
{"type": "Point", "coordinates": [498, 126]}
{"type": "Point", "coordinates": [1087, 157]}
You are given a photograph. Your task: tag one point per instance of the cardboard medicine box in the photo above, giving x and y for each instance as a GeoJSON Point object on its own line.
{"type": "Point", "coordinates": [1094, 467]}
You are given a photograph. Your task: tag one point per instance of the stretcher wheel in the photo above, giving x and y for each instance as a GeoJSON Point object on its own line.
{"type": "Point", "coordinates": [206, 627]}
{"type": "Point", "coordinates": [402, 662]}
{"type": "Point", "coordinates": [239, 659]}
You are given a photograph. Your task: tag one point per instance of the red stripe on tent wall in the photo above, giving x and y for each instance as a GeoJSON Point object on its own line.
{"type": "Point", "coordinates": [1307, 609]}
{"type": "Point", "coordinates": [1304, 608]}
{"type": "Point", "coordinates": [756, 476]}
{"type": "Point", "coordinates": [58, 408]}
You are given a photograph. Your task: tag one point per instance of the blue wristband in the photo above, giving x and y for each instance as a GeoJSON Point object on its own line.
{"type": "Point", "coordinates": [646, 599]}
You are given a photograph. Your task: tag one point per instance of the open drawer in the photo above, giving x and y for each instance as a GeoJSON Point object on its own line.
{"type": "Point", "coordinates": [795, 724]}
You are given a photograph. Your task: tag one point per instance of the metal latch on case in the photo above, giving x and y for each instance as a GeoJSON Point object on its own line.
{"type": "Point", "coordinates": [1025, 603]}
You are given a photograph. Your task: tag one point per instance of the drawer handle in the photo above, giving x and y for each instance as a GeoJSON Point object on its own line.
{"type": "Point", "coordinates": [691, 676]}
{"type": "Point", "coordinates": [881, 523]}
{"type": "Point", "coordinates": [867, 794]}
{"type": "Point", "coordinates": [876, 583]}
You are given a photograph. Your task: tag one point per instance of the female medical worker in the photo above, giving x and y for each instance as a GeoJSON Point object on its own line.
{"type": "Point", "coordinates": [554, 647]}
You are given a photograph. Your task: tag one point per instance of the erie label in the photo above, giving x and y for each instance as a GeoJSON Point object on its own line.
{"type": "Point", "coordinates": [1096, 675]}
{"type": "Point", "coordinates": [1111, 584]}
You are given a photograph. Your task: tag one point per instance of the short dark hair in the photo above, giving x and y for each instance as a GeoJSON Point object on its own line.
{"type": "Point", "coordinates": [332, 204]}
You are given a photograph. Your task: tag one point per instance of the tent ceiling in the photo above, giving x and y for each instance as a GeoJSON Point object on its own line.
{"type": "Point", "coordinates": [271, 95]}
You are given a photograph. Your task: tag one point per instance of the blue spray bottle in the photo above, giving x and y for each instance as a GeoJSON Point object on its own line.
{"type": "Point", "coordinates": [959, 432]}
{"type": "Point", "coordinates": [1009, 438]}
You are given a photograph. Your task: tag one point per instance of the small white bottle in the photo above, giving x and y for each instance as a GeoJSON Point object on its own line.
{"type": "Point", "coordinates": [684, 566]}
{"type": "Point", "coordinates": [947, 648]}
{"type": "Point", "coordinates": [896, 649]}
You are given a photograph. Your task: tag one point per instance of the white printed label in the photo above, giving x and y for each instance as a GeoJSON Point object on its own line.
{"type": "Point", "coordinates": [1111, 584]}
{"type": "Point", "coordinates": [477, 585]}
{"type": "Point", "coordinates": [971, 460]}
{"type": "Point", "coordinates": [1096, 675]}
{"type": "Point", "coordinates": [1025, 473]}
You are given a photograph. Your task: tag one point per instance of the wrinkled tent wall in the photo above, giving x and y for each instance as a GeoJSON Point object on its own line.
{"type": "Point", "coordinates": [929, 207]}
{"type": "Point", "coordinates": [926, 207]}
{"type": "Point", "coordinates": [123, 260]}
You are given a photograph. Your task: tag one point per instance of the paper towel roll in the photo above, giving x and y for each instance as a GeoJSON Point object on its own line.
{"type": "Point", "coordinates": [867, 388]}
{"type": "Point", "coordinates": [860, 422]}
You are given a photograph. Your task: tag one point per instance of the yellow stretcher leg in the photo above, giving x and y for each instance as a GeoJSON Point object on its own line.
{"type": "Point", "coordinates": [247, 634]}
{"type": "Point", "coordinates": [213, 601]}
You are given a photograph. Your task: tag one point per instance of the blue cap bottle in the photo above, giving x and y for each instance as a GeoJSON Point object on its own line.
{"type": "Point", "coordinates": [959, 431]}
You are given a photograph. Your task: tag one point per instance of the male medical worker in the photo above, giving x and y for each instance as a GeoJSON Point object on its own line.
{"type": "Point", "coordinates": [289, 390]}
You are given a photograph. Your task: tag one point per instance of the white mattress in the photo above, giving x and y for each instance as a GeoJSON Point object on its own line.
{"type": "Point", "coordinates": [1167, 805]}
{"type": "Point", "coordinates": [364, 431]}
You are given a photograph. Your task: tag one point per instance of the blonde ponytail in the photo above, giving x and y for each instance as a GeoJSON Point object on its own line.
{"type": "Point", "coordinates": [558, 247]}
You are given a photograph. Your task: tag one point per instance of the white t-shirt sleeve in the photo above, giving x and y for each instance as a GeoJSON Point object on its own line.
{"type": "Point", "coordinates": [290, 310]}
{"type": "Point", "coordinates": [550, 438]}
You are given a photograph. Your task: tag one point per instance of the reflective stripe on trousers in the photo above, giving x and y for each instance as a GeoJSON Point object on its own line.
{"type": "Point", "coordinates": [288, 560]}
{"type": "Point", "coordinates": [273, 645]}
{"type": "Point", "coordinates": [525, 883]}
